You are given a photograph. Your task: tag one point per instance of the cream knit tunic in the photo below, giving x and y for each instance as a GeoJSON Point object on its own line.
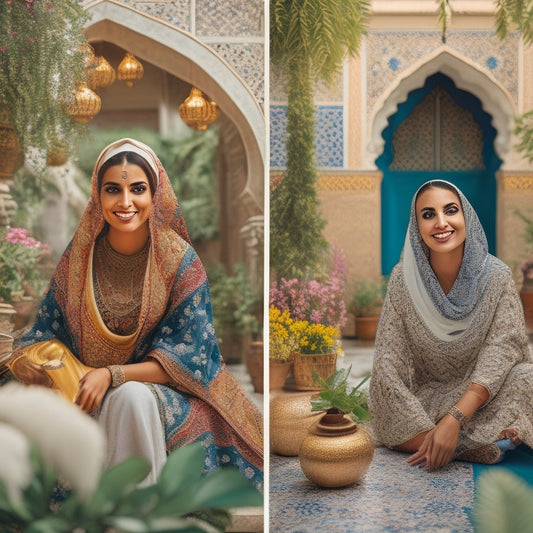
{"type": "Point", "coordinates": [416, 377]}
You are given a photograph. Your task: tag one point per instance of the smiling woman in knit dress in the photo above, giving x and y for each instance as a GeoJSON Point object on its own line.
{"type": "Point", "coordinates": [452, 375]}
{"type": "Point", "coordinates": [129, 308]}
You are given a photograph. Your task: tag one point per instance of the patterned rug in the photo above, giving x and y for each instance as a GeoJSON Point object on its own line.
{"type": "Point", "coordinates": [392, 497]}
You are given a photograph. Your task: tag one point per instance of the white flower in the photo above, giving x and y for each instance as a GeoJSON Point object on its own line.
{"type": "Point", "coordinates": [68, 439]}
{"type": "Point", "coordinates": [15, 466]}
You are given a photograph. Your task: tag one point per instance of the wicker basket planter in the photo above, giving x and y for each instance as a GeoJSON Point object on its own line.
{"type": "Point", "coordinates": [305, 365]}
{"type": "Point", "coordinates": [278, 372]}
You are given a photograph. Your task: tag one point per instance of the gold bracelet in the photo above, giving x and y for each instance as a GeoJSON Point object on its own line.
{"type": "Point", "coordinates": [458, 415]}
{"type": "Point", "coordinates": [117, 375]}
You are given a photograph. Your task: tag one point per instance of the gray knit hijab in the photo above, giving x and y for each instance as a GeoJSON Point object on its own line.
{"type": "Point", "coordinates": [447, 314]}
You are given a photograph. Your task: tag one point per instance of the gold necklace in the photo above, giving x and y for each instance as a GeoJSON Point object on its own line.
{"type": "Point", "coordinates": [119, 278]}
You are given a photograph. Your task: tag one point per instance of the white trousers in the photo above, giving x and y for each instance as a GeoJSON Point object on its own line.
{"type": "Point", "coordinates": [130, 419]}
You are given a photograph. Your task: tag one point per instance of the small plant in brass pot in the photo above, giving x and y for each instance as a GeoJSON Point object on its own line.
{"type": "Point", "coordinates": [338, 400]}
{"type": "Point", "coordinates": [337, 452]}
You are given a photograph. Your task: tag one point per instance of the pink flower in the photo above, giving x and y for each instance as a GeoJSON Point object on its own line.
{"type": "Point", "coordinates": [21, 236]}
{"type": "Point", "coordinates": [317, 301]}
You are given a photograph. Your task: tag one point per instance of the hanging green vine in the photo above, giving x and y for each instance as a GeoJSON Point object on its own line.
{"type": "Point", "coordinates": [41, 58]}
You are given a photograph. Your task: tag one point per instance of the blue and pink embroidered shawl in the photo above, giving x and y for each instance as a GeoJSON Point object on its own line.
{"type": "Point", "coordinates": [203, 401]}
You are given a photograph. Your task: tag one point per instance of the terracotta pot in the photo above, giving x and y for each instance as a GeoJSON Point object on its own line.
{"type": "Point", "coordinates": [336, 454]}
{"type": "Point", "coordinates": [290, 417]}
{"type": "Point", "coordinates": [278, 372]}
{"type": "Point", "coordinates": [366, 327]}
{"type": "Point", "coordinates": [527, 303]}
{"type": "Point", "coordinates": [254, 364]}
{"type": "Point", "coordinates": [306, 365]}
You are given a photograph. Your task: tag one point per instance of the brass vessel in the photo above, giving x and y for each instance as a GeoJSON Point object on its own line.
{"type": "Point", "coordinates": [290, 418]}
{"type": "Point", "coordinates": [336, 455]}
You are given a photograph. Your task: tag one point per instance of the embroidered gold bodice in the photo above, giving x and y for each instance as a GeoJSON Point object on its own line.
{"type": "Point", "coordinates": [118, 285]}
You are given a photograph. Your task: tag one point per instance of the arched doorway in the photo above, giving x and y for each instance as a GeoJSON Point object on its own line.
{"type": "Point", "coordinates": [241, 165]}
{"type": "Point", "coordinates": [439, 132]}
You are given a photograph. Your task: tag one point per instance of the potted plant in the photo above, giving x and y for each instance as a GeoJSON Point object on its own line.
{"type": "Point", "coordinates": [366, 305]}
{"type": "Point", "coordinates": [282, 344]}
{"type": "Point", "coordinates": [42, 55]}
{"type": "Point", "coordinates": [315, 352]}
{"type": "Point", "coordinates": [337, 451]}
{"type": "Point", "coordinates": [318, 300]}
{"type": "Point", "coordinates": [337, 399]}
{"type": "Point", "coordinates": [237, 309]}
{"type": "Point", "coordinates": [21, 283]}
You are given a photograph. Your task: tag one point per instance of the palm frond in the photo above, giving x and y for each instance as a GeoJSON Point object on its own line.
{"type": "Point", "coordinates": [443, 17]}
{"type": "Point", "coordinates": [515, 13]}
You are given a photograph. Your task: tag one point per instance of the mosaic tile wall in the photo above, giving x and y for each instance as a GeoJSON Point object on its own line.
{"type": "Point", "coordinates": [233, 28]}
{"type": "Point", "coordinates": [329, 117]}
{"type": "Point", "coordinates": [387, 55]}
{"type": "Point", "coordinates": [329, 143]}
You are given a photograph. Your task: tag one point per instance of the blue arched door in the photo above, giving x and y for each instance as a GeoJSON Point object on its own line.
{"type": "Point", "coordinates": [441, 132]}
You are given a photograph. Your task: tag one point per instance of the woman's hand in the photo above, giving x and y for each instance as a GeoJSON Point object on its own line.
{"type": "Point", "coordinates": [92, 389]}
{"type": "Point", "coordinates": [439, 444]}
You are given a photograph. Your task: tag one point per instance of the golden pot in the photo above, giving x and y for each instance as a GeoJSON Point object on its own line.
{"type": "Point", "coordinates": [290, 417]}
{"type": "Point", "coordinates": [336, 455]}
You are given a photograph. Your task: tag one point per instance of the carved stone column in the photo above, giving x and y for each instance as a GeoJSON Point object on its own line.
{"type": "Point", "coordinates": [7, 205]}
{"type": "Point", "coordinates": [253, 236]}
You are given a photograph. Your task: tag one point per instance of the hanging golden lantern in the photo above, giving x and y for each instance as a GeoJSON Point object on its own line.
{"type": "Point", "coordinates": [90, 59]}
{"type": "Point", "coordinates": [197, 111]}
{"type": "Point", "coordinates": [57, 154]}
{"type": "Point", "coordinates": [130, 69]}
{"type": "Point", "coordinates": [101, 76]}
{"type": "Point", "coordinates": [84, 105]}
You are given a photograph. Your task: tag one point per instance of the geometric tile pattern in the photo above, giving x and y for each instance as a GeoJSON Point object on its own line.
{"type": "Point", "coordinates": [247, 59]}
{"type": "Point", "coordinates": [177, 13]}
{"type": "Point", "coordinates": [231, 18]}
{"type": "Point", "coordinates": [460, 139]}
{"type": "Point", "coordinates": [238, 24]}
{"type": "Point", "coordinates": [388, 53]}
{"type": "Point", "coordinates": [329, 141]}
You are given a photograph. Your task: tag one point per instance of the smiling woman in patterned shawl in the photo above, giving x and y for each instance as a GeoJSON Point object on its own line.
{"type": "Point", "coordinates": [130, 299]}
{"type": "Point", "coordinates": [452, 375]}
